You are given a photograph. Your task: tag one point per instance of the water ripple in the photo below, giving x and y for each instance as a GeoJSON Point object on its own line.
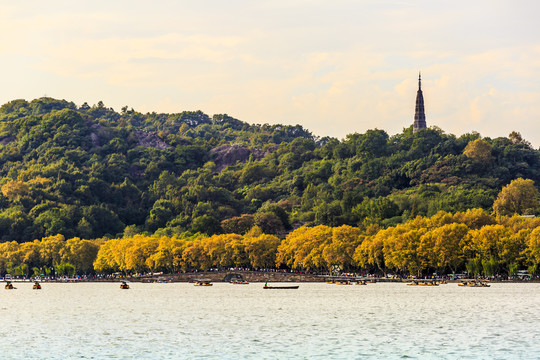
{"type": "Point", "coordinates": [317, 321]}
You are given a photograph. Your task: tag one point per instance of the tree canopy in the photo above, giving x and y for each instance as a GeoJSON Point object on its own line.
{"type": "Point", "coordinates": [472, 241]}
{"type": "Point", "coordinates": [92, 172]}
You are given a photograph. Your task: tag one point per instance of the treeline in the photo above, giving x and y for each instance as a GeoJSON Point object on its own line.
{"type": "Point", "coordinates": [92, 172]}
{"type": "Point", "coordinates": [471, 241]}
{"type": "Point", "coordinates": [53, 255]}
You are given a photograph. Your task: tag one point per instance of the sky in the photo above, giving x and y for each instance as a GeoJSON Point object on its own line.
{"type": "Point", "coordinates": [334, 67]}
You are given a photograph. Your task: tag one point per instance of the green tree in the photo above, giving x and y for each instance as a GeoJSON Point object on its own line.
{"type": "Point", "coordinates": [238, 225]}
{"type": "Point", "coordinates": [206, 225]}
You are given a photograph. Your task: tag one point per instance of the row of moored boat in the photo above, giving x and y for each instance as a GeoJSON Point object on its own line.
{"type": "Point", "coordinates": [9, 286]}
{"type": "Point", "coordinates": [468, 283]}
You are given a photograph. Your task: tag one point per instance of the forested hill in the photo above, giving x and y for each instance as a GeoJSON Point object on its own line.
{"type": "Point", "coordinates": [90, 172]}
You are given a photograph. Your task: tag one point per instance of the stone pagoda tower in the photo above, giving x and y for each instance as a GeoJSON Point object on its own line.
{"type": "Point", "coordinates": [419, 115]}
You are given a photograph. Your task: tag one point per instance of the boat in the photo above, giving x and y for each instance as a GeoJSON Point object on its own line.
{"type": "Point", "coordinates": [423, 283]}
{"type": "Point", "coordinates": [474, 283]}
{"type": "Point", "coordinates": [280, 287]}
{"type": "Point", "coordinates": [124, 285]}
{"type": "Point", "coordinates": [238, 282]}
{"type": "Point", "coordinates": [203, 283]}
{"type": "Point", "coordinates": [343, 282]}
{"type": "Point", "coordinates": [9, 285]}
{"type": "Point", "coordinates": [36, 286]}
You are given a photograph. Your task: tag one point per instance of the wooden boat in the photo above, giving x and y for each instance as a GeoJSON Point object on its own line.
{"type": "Point", "coordinates": [280, 287]}
{"type": "Point", "coordinates": [423, 283]}
{"type": "Point", "coordinates": [239, 282]}
{"type": "Point", "coordinates": [36, 286]}
{"type": "Point", "coordinates": [9, 286]}
{"type": "Point", "coordinates": [474, 283]}
{"type": "Point", "coordinates": [203, 283]}
{"type": "Point", "coordinates": [342, 282]}
{"type": "Point", "coordinates": [124, 285]}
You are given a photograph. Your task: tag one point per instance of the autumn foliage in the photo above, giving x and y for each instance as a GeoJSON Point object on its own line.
{"type": "Point", "coordinates": [471, 241]}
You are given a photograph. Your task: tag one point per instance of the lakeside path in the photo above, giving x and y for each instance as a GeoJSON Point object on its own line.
{"type": "Point", "coordinates": [250, 276]}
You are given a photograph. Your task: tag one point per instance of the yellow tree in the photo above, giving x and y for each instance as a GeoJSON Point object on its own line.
{"type": "Point", "coordinates": [31, 253]}
{"type": "Point", "coordinates": [167, 256]}
{"type": "Point", "coordinates": [215, 248]}
{"type": "Point", "coordinates": [511, 249]}
{"type": "Point", "coordinates": [106, 260]}
{"type": "Point", "coordinates": [517, 222]}
{"type": "Point", "coordinates": [442, 247]}
{"type": "Point", "coordinates": [81, 253]}
{"type": "Point", "coordinates": [441, 218]}
{"type": "Point", "coordinates": [484, 244]}
{"type": "Point", "coordinates": [479, 150]}
{"type": "Point", "coordinates": [317, 239]}
{"type": "Point", "coordinates": [370, 252]}
{"type": "Point", "coordinates": [10, 255]}
{"type": "Point", "coordinates": [406, 256]}
{"type": "Point", "coordinates": [225, 250]}
{"type": "Point", "coordinates": [474, 218]}
{"type": "Point", "coordinates": [426, 250]}
{"type": "Point", "coordinates": [15, 190]}
{"type": "Point", "coordinates": [177, 247]}
{"type": "Point", "coordinates": [261, 250]}
{"type": "Point", "coordinates": [401, 247]}
{"type": "Point", "coordinates": [303, 248]}
{"type": "Point", "coordinates": [140, 248]}
{"type": "Point", "coordinates": [40, 181]}
{"type": "Point", "coordinates": [518, 197]}
{"type": "Point", "coordinates": [340, 252]}
{"type": "Point", "coordinates": [53, 250]}
{"type": "Point", "coordinates": [290, 251]}
{"type": "Point", "coordinates": [532, 251]}
{"type": "Point", "coordinates": [195, 256]}
{"type": "Point", "coordinates": [237, 248]}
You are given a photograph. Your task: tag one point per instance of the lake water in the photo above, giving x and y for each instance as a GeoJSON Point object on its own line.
{"type": "Point", "coordinates": [317, 321]}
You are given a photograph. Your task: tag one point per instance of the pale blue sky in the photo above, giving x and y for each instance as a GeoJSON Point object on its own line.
{"type": "Point", "coordinates": [334, 67]}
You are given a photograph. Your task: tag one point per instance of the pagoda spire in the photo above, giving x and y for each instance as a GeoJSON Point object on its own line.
{"type": "Point", "coordinates": [419, 115]}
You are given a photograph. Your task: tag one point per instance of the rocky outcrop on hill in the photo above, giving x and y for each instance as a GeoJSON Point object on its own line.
{"type": "Point", "coordinates": [6, 140]}
{"type": "Point", "coordinates": [228, 155]}
{"type": "Point", "coordinates": [95, 139]}
{"type": "Point", "coordinates": [149, 139]}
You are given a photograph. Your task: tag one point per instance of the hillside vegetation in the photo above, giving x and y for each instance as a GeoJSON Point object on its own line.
{"type": "Point", "coordinates": [91, 172]}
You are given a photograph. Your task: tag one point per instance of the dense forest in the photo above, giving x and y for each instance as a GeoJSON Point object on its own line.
{"type": "Point", "coordinates": [98, 177]}
{"type": "Point", "coordinates": [92, 172]}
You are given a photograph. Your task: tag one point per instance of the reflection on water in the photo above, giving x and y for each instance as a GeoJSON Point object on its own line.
{"type": "Point", "coordinates": [224, 321]}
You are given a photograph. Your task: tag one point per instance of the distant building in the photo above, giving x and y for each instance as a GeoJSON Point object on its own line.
{"type": "Point", "coordinates": [419, 115]}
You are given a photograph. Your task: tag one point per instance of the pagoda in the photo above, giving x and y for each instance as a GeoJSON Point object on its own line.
{"type": "Point", "coordinates": [419, 115]}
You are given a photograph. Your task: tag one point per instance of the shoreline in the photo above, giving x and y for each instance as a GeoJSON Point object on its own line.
{"type": "Point", "coordinates": [250, 276]}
